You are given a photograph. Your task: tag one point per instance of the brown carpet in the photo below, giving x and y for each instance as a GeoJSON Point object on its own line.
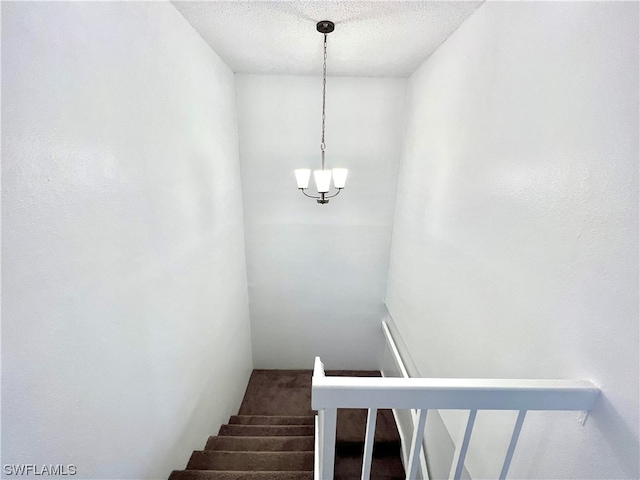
{"type": "Point", "coordinates": [272, 437]}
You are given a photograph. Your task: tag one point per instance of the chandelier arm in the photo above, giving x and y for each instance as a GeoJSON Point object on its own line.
{"type": "Point", "coordinates": [335, 194]}
{"type": "Point", "coordinates": [306, 195]}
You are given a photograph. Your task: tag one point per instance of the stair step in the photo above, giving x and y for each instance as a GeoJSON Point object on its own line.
{"type": "Point", "coordinates": [256, 444]}
{"type": "Point", "coordinates": [227, 475]}
{"type": "Point", "coordinates": [285, 392]}
{"type": "Point", "coordinates": [380, 449]}
{"type": "Point", "coordinates": [272, 420]}
{"type": "Point", "coordinates": [351, 428]}
{"type": "Point", "coordinates": [251, 461]}
{"type": "Point", "coordinates": [349, 467]}
{"type": "Point", "coordinates": [351, 425]}
{"type": "Point", "coordinates": [266, 430]}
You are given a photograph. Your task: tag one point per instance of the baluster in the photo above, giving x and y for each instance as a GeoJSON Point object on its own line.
{"type": "Point", "coordinates": [415, 416]}
{"type": "Point", "coordinates": [416, 445]}
{"type": "Point", "coordinates": [320, 441]}
{"type": "Point", "coordinates": [458, 463]}
{"type": "Point", "coordinates": [328, 443]}
{"type": "Point", "coordinates": [512, 444]}
{"type": "Point", "coordinates": [368, 443]}
{"type": "Point", "coordinates": [316, 451]}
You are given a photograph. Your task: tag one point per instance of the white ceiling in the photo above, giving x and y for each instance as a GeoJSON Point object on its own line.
{"type": "Point", "coordinates": [372, 38]}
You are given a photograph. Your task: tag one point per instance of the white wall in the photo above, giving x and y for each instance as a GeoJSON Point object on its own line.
{"type": "Point", "coordinates": [125, 326]}
{"type": "Point", "coordinates": [515, 246]}
{"type": "Point", "coordinates": [317, 273]}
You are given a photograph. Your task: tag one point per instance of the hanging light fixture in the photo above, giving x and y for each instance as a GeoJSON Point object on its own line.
{"type": "Point", "coordinates": [323, 176]}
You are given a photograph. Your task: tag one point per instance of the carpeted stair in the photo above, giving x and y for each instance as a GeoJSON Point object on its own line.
{"type": "Point", "coordinates": [272, 437]}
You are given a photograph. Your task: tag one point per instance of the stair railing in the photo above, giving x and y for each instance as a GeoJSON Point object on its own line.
{"type": "Point", "coordinates": [423, 394]}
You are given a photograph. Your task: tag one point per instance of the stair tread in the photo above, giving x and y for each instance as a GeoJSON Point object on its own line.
{"type": "Point", "coordinates": [261, 443]}
{"type": "Point", "coordinates": [349, 467]}
{"type": "Point", "coordinates": [266, 430]}
{"type": "Point", "coordinates": [271, 420]}
{"type": "Point", "coordinates": [250, 461]}
{"type": "Point", "coordinates": [351, 426]}
{"type": "Point", "coordinates": [286, 392]}
{"type": "Point", "coordinates": [239, 475]}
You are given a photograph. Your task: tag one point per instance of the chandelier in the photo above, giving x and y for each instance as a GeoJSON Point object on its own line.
{"type": "Point", "coordinates": [323, 176]}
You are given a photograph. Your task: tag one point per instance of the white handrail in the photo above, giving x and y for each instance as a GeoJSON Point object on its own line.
{"type": "Point", "coordinates": [452, 393]}
{"type": "Point", "coordinates": [331, 393]}
{"type": "Point", "coordinates": [394, 350]}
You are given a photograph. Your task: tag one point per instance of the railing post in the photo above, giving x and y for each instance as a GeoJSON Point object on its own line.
{"type": "Point", "coordinates": [416, 445]}
{"type": "Point", "coordinates": [319, 457]}
{"type": "Point", "coordinates": [368, 443]}
{"type": "Point", "coordinates": [328, 443]}
{"type": "Point", "coordinates": [317, 475]}
{"type": "Point", "coordinates": [461, 452]}
{"type": "Point", "coordinates": [415, 417]}
{"type": "Point", "coordinates": [512, 444]}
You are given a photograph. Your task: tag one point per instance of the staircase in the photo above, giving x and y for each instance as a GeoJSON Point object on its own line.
{"type": "Point", "coordinates": [272, 437]}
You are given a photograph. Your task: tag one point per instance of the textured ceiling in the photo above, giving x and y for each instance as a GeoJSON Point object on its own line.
{"type": "Point", "coordinates": [382, 38]}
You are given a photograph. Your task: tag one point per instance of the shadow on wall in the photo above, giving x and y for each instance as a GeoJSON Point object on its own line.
{"type": "Point", "coordinates": [616, 432]}
{"type": "Point", "coordinates": [189, 437]}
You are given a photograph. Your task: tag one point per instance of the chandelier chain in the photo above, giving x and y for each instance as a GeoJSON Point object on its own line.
{"type": "Point", "coordinates": [324, 94]}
